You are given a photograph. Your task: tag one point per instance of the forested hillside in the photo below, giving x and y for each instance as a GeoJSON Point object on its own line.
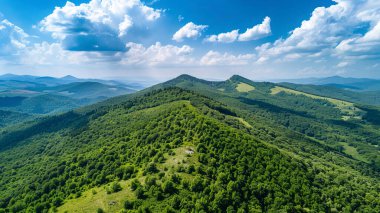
{"type": "Point", "coordinates": [348, 127]}
{"type": "Point", "coordinates": [33, 95]}
{"type": "Point", "coordinates": [233, 146]}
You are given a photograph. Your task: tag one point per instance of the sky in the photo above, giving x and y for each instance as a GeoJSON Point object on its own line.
{"type": "Point", "coordinates": [155, 40]}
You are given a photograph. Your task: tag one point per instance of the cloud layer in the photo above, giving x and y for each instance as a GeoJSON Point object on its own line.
{"type": "Point", "coordinates": [213, 58]}
{"type": "Point", "coordinates": [344, 37]}
{"type": "Point", "coordinates": [157, 54]}
{"type": "Point", "coordinates": [347, 30]}
{"type": "Point", "coordinates": [100, 25]}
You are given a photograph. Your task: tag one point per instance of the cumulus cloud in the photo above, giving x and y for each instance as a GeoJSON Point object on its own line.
{"type": "Point", "coordinates": [12, 38]}
{"type": "Point", "coordinates": [100, 25]}
{"type": "Point", "coordinates": [53, 54]}
{"type": "Point", "coordinates": [190, 30]}
{"type": "Point", "coordinates": [137, 55]}
{"type": "Point", "coordinates": [228, 37]}
{"type": "Point", "coordinates": [213, 58]}
{"type": "Point", "coordinates": [347, 29]}
{"type": "Point", "coordinates": [157, 55]}
{"type": "Point", "coordinates": [256, 32]}
{"type": "Point", "coordinates": [259, 31]}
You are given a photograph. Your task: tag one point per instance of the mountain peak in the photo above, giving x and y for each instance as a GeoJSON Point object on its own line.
{"type": "Point", "coordinates": [69, 77]}
{"type": "Point", "coordinates": [186, 77]}
{"type": "Point", "coordinates": [239, 78]}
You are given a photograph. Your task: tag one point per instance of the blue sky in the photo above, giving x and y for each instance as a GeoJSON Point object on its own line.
{"type": "Point", "coordinates": [156, 40]}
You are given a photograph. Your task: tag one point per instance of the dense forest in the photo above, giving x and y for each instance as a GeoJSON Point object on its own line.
{"type": "Point", "coordinates": [190, 145]}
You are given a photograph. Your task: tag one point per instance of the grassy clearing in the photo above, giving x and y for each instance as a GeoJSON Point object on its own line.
{"type": "Point", "coordinates": [348, 109]}
{"type": "Point", "coordinates": [242, 121]}
{"type": "Point", "coordinates": [243, 87]}
{"type": "Point", "coordinates": [97, 197]}
{"type": "Point", "coordinates": [183, 156]}
{"type": "Point", "coordinates": [350, 150]}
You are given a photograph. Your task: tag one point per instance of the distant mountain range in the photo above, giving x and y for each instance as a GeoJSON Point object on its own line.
{"type": "Point", "coordinates": [51, 81]}
{"type": "Point", "coordinates": [26, 96]}
{"type": "Point", "coordinates": [356, 84]}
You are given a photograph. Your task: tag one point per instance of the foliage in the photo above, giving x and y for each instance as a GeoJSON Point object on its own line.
{"type": "Point", "coordinates": [177, 150]}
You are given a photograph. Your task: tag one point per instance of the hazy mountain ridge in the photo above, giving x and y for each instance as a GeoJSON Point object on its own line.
{"type": "Point", "coordinates": [52, 81]}
{"type": "Point", "coordinates": [43, 95]}
{"type": "Point", "coordinates": [354, 84]}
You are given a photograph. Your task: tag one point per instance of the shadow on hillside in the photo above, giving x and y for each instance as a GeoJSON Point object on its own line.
{"type": "Point", "coordinates": [372, 116]}
{"type": "Point", "coordinates": [11, 101]}
{"type": "Point", "coordinates": [273, 108]}
{"type": "Point", "coordinates": [72, 121]}
{"type": "Point", "coordinates": [343, 123]}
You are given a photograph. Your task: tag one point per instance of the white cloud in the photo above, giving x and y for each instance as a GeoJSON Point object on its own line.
{"type": "Point", "coordinates": [52, 54]}
{"type": "Point", "coordinates": [190, 30]}
{"type": "Point", "coordinates": [259, 31]}
{"type": "Point", "coordinates": [100, 25]}
{"type": "Point", "coordinates": [12, 38]}
{"type": "Point", "coordinates": [213, 58]}
{"type": "Point", "coordinates": [342, 64]}
{"type": "Point", "coordinates": [228, 37]}
{"type": "Point", "coordinates": [256, 32]}
{"type": "Point", "coordinates": [347, 29]}
{"type": "Point", "coordinates": [157, 55]}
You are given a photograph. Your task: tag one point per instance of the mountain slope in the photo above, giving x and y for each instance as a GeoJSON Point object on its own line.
{"type": "Point", "coordinates": [9, 118]}
{"type": "Point", "coordinates": [355, 84]}
{"type": "Point", "coordinates": [90, 90]}
{"type": "Point", "coordinates": [341, 125]}
{"type": "Point", "coordinates": [172, 149]}
{"type": "Point", "coordinates": [363, 98]}
{"type": "Point", "coordinates": [44, 95]}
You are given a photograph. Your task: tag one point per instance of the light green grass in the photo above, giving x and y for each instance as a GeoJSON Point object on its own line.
{"type": "Point", "coordinates": [243, 87]}
{"type": "Point", "coordinates": [350, 150]}
{"type": "Point", "coordinates": [348, 109]}
{"type": "Point", "coordinates": [90, 202]}
{"type": "Point", "coordinates": [183, 156]}
{"type": "Point", "coordinates": [242, 121]}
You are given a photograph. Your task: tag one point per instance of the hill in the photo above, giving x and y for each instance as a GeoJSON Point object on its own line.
{"type": "Point", "coordinates": [232, 146]}
{"type": "Point", "coordinates": [355, 84]}
{"type": "Point", "coordinates": [47, 81]}
{"type": "Point", "coordinates": [361, 97]}
{"type": "Point", "coordinates": [342, 125]}
{"type": "Point", "coordinates": [9, 118]}
{"type": "Point", "coordinates": [47, 95]}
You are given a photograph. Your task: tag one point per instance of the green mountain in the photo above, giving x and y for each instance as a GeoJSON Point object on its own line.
{"type": "Point", "coordinates": [349, 127]}
{"type": "Point", "coordinates": [9, 118]}
{"type": "Point", "coordinates": [48, 95]}
{"type": "Point", "coordinates": [363, 97]}
{"type": "Point", "coordinates": [90, 90]}
{"type": "Point", "coordinates": [196, 146]}
{"type": "Point", "coordinates": [355, 84]}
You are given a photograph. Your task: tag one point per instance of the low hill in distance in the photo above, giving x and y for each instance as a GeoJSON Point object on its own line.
{"type": "Point", "coordinates": [195, 145]}
{"type": "Point", "coordinates": [351, 84]}
{"type": "Point", "coordinates": [31, 96]}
